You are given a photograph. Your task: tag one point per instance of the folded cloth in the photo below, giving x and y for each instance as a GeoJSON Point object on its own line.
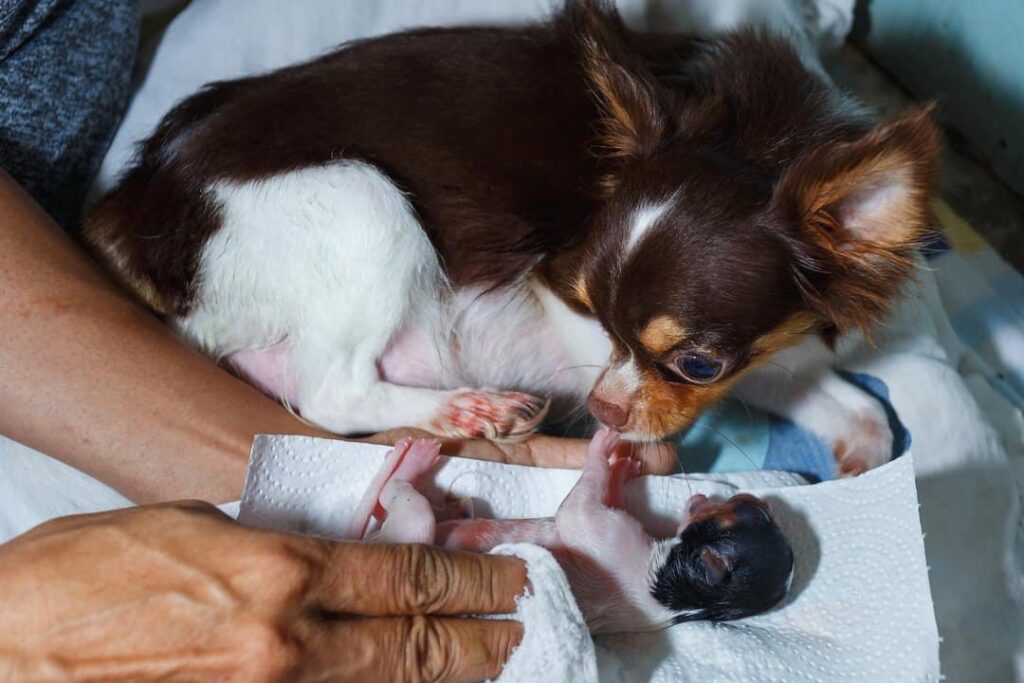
{"type": "Point", "coordinates": [860, 608]}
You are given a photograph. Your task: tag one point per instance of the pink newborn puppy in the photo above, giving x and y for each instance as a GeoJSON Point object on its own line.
{"type": "Point", "coordinates": [729, 560]}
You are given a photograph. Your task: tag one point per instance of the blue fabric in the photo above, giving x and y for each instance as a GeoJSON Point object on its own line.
{"type": "Point", "coordinates": [65, 78]}
{"type": "Point", "coordinates": [734, 437]}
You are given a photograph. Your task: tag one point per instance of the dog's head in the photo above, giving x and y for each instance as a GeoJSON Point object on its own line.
{"type": "Point", "coordinates": [732, 226]}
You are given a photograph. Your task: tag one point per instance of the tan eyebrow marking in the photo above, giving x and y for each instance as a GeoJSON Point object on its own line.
{"type": "Point", "coordinates": [661, 334]}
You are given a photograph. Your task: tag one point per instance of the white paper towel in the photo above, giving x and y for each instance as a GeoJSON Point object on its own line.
{"type": "Point", "coordinates": [860, 608]}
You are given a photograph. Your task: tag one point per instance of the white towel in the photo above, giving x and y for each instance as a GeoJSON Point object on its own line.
{"type": "Point", "coordinates": [860, 608]}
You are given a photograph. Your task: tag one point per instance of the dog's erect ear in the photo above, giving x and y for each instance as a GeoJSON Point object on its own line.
{"type": "Point", "coordinates": [860, 210]}
{"type": "Point", "coordinates": [630, 98]}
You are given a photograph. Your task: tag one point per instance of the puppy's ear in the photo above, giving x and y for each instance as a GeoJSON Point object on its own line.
{"type": "Point", "coordinates": [631, 100]}
{"type": "Point", "coordinates": [860, 211]}
{"type": "Point", "coordinates": [716, 566]}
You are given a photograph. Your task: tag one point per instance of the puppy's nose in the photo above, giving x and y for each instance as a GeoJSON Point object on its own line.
{"type": "Point", "coordinates": [612, 414]}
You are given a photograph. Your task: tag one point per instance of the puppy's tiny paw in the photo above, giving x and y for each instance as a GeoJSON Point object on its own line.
{"type": "Point", "coordinates": [866, 445]}
{"type": "Point", "coordinates": [495, 415]}
{"type": "Point", "coordinates": [627, 467]}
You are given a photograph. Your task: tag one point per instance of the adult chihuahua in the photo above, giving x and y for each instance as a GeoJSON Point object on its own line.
{"type": "Point", "coordinates": [565, 212]}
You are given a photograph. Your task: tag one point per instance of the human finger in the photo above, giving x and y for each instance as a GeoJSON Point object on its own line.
{"type": "Point", "coordinates": [409, 649]}
{"type": "Point", "coordinates": [538, 450]}
{"type": "Point", "coordinates": [377, 579]}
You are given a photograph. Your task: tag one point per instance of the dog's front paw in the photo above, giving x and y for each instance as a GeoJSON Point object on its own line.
{"type": "Point", "coordinates": [865, 444]}
{"type": "Point", "coordinates": [495, 415]}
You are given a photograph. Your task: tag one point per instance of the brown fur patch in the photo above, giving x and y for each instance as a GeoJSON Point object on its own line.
{"type": "Point", "coordinates": [851, 276]}
{"type": "Point", "coordinates": [632, 119]}
{"type": "Point", "coordinates": [661, 334]}
{"type": "Point", "coordinates": [106, 244]}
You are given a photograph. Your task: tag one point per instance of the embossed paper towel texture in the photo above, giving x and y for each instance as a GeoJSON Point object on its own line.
{"type": "Point", "coordinates": [860, 608]}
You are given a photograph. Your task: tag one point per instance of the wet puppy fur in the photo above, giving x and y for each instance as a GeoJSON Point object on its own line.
{"type": "Point", "coordinates": [730, 561]}
{"type": "Point", "coordinates": [708, 200]}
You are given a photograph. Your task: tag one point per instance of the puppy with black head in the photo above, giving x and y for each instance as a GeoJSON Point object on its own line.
{"type": "Point", "coordinates": [745, 562]}
{"type": "Point", "coordinates": [570, 213]}
{"type": "Point", "coordinates": [729, 560]}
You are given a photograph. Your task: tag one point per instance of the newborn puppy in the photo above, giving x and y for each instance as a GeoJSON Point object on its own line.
{"type": "Point", "coordinates": [729, 560]}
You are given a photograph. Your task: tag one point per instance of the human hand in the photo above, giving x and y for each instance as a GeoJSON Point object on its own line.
{"type": "Point", "coordinates": [182, 592]}
{"type": "Point", "coordinates": [537, 450]}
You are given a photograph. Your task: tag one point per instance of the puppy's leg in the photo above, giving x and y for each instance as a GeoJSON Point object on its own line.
{"type": "Point", "coordinates": [392, 497]}
{"type": "Point", "coordinates": [591, 489]}
{"type": "Point", "coordinates": [408, 516]}
{"type": "Point", "coordinates": [807, 391]}
{"type": "Point", "coordinates": [584, 521]}
{"type": "Point", "coordinates": [481, 535]}
{"type": "Point", "coordinates": [623, 471]}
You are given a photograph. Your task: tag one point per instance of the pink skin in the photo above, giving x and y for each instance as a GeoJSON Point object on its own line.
{"type": "Point", "coordinates": [267, 370]}
{"type": "Point", "coordinates": [393, 498]}
{"type": "Point", "coordinates": [606, 553]}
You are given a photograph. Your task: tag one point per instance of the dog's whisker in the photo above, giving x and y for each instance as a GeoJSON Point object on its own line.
{"type": "Point", "coordinates": [577, 367]}
{"type": "Point", "coordinates": [682, 469]}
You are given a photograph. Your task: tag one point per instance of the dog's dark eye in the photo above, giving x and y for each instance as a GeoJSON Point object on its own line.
{"type": "Point", "coordinates": [698, 367]}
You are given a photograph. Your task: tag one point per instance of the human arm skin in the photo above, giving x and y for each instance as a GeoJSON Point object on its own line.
{"type": "Point", "coordinates": [91, 378]}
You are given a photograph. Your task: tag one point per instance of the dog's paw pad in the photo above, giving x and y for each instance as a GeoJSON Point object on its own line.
{"type": "Point", "coordinates": [495, 415]}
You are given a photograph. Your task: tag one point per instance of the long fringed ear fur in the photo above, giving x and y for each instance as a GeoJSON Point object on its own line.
{"type": "Point", "coordinates": [861, 209]}
{"type": "Point", "coordinates": [631, 100]}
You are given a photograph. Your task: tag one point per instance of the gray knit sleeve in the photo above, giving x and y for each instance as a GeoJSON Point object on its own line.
{"type": "Point", "coordinates": [65, 77]}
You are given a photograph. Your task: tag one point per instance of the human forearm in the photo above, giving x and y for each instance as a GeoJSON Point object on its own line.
{"type": "Point", "coordinates": [88, 376]}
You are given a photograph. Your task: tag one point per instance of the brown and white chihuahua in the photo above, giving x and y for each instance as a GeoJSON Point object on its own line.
{"type": "Point", "coordinates": [566, 212]}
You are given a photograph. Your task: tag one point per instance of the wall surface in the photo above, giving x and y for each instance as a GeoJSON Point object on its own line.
{"type": "Point", "coordinates": [967, 53]}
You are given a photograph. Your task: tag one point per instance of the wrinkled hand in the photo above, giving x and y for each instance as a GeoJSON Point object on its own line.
{"type": "Point", "coordinates": [182, 592]}
{"type": "Point", "coordinates": [536, 451]}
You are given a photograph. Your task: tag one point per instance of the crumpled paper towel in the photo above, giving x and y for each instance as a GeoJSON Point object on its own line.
{"type": "Point", "coordinates": [860, 608]}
